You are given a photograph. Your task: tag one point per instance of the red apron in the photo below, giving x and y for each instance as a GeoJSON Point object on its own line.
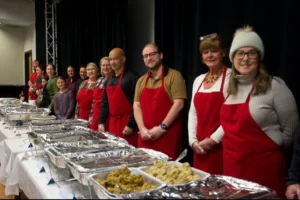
{"type": "Point", "coordinates": [155, 105]}
{"type": "Point", "coordinates": [120, 111]}
{"type": "Point", "coordinates": [208, 106]}
{"type": "Point", "coordinates": [85, 99]}
{"type": "Point", "coordinates": [248, 152]}
{"type": "Point", "coordinates": [97, 98]}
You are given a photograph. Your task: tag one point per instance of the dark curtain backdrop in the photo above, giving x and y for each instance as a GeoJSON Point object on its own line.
{"type": "Point", "coordinates": [180, 23]}
{"type": "Point", "coordinates": [88, 30]}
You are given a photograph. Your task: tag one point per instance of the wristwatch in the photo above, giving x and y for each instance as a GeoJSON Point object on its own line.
{"type": "Point", "coordinates": [164, 127]}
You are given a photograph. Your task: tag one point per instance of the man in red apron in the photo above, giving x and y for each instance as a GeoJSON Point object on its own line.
{"type": "Point", "coordinates": [117, 102]}
{"type": "Point", "coordinates": [159, 99]}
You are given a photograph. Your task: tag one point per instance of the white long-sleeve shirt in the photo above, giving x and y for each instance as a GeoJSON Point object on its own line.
{"type": "Point", "coordinates": [275, 111]}
{"type": "Point", "coordinates": [192, 121]}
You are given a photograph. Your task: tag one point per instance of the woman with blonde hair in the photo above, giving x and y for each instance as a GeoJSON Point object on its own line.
{"type": "Point", "coordinates": [259, 117]}
{"type": "Point", "coordinates": [84, 109]}
{"type": "Point", "coordinates": [106, 72]}
{"type": "Point", "coordinates": [209, 92]}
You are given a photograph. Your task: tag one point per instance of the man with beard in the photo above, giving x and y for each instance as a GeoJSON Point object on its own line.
{"type": "Point", "coordinates": [159, 99]}
{"type": "Point", "coordinates": [117, 101]}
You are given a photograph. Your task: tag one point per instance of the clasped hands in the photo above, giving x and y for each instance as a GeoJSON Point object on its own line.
{"type": "Point", "coordinates": [203, 146]}
{"type": "Point", "coordinates": [153, 134]}
{"type": "Point", "coordinates": [293, 191]}
{"type": "Point", "coordinates": [126, 131]}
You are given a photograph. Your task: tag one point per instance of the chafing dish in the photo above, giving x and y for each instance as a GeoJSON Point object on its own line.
{"type": "Point", "coordinates": [214, 187]}
{"type": "Point", "coordinates": [103, 193]}
{"type": "Point", "coordinates": [59, 151]}
{"type": "Point", "coordinates": [74, 122]}
{"type": "Point", "coordinates": [82, 166]}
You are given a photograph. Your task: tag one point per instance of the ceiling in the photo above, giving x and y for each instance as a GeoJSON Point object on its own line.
{"type": "Point", "coordinates": [17, 12]}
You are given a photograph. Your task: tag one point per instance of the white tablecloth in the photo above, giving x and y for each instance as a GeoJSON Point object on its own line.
{"type": "Point", "coordinates": [26, 173]}
{"type": "Point", "coordinates": [9, 149]}
{"type": "Point", "coordinates": [12, 133]}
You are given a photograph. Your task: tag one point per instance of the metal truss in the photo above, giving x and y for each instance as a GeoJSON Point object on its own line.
{"type": "Point", "coordinates": [51, 32]}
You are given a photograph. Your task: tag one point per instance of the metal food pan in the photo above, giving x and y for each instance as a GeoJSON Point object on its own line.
{"type": "Point", "coordinates": [103, 193]}
{"type": "Point", "coordinates": [201, 174]}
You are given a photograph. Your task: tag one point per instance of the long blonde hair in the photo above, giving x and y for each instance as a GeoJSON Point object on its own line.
{"type": "Point", "coordinates": [262, 81]}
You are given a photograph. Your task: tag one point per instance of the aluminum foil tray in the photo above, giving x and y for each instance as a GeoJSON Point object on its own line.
{"type": "Point", "coordinates": [74, 122]}
{"type": "Point", "coordinates": [52, 128]}
{"type": "Point", "coordinates": [77, 150]}
{"type": "Point", "coordinates": [24, 114]}
{"type": "Point", "coordinates": [66, 137]}
{"type": "Point", "coordinates": [214, 187]}
{"type": "Point", "coordinates": [199, 174]}
{"type": "Point", "coordinates": [103, 193]}
{"type": "Point", "coordinates": [81, 168]}
{"type": "Point", "coordinates": [7, 101]}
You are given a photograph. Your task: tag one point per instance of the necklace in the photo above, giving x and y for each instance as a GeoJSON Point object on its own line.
{"type": "Point", "coordinates": [212, 78]}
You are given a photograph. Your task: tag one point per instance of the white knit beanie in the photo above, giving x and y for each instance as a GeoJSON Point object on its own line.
{"type": "Point", "coordinates": [244, 37]}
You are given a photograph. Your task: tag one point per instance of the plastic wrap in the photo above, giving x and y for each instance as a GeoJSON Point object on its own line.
{"type": "Point", "coordinates": [214, 187]}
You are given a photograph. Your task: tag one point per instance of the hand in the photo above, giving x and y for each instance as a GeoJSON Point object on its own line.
{"type": "Point", "coordinates": [127, 131]}
{"type": "Point", "coordinates": [31, 89]}
{"type": "Point", "coordinates": [76, 116]}
{"type": "Point", "coordinates": [293, 191]}
{"type": "Point", "coordinates": [156, 132]}
{"type": "Point", "coordinates": [145, 134]}
{"type": "Point", "coordinates": [207, 144]}
{"type": "Point", "coordinates": [198, 148]}
{"type": "Point", "coordinates": [29, 83]}
{"type": "Point", "coordinates": [37, 92]}
{"type": "Point", "coordinates": [101, 127]}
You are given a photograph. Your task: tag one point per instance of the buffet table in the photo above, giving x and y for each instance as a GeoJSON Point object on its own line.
{"type": "Point", "coordinates": [9, 149]}
{"type": "Point", "coordinates": [9, 133]}
{"type": "Point", "coordinates": [26, 174]}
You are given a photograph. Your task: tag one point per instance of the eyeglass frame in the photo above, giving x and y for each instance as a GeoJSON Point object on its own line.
{"type": "Point", "coordinates": [152, 54]}
{"type": "Point", "coordinates": [253, 56]}
{"type": "Point", "coordinates": [212, 35]}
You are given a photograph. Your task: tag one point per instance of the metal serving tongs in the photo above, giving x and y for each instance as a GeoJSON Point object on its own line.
{"type": "Point", "coordinates": [181, 156]}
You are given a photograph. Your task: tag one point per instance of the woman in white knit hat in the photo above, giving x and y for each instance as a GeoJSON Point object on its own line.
{"type": "Point", "coordinates": [259, 117]}
{"type": "Point", "coordinates": [209, 92]}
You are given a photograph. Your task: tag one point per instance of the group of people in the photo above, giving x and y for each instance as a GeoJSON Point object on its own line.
{"type": "Point", "coordinates": [241, 119]}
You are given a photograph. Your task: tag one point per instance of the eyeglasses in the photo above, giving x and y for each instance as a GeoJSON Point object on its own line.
{"type": "Point", "coordinates": [241, 54]}
{"type": "Point", "coordinates": [150, 54]}
{"type": "Point", "coordinates": [213, 35]}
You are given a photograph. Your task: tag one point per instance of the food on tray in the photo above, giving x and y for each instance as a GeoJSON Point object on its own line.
{"type": "Point", "coordinates": [123, 177]}
{"type": "Point", "coordinates": [172, 175]}
{"type": "Point", "coordinates": [1, 101]}
{"type": "Point", "coordinates": [36, 141]}
{"type": "Point", "coordinates": [16, 101]}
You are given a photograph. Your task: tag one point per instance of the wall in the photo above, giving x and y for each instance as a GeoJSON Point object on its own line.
{"type": "Point", "coordinates": [140, 31]}
{"type": "Point", "coordinates": [29, 40]}
{"type": "Point", "coordinates": [14, 43]}
{"type": "Point", "coordinates": [11, 56]}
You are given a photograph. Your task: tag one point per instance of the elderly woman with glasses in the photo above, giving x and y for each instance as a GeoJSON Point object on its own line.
{"type": "Point", "coordinates": [209, 92]}
{"type": "Point", "coordinates": [259, 116]}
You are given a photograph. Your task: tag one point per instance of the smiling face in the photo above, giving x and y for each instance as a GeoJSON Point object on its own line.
{"type": "Point", "coordinates": [152, 57]}
{"type": "Point", "coordinates": [213, 58]}
{"type": "Point", "coordinates": [71, 72]}
{"type": "Point", "coordinates": [106, 68]}
{"type": "Point", "coordinates": [91, 70]}
{"type": "Point", "coordinates": [61, 84]}
{"type": "Point", "coordinates": [82, 73]}
{"type": "Point", "coordinates": [246, 60]}
{"type": "Point", "coordinates": [50, 71]}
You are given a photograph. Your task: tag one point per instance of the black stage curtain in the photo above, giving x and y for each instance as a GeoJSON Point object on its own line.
{"type": "Point", "coordinates": [88, 30]}
{"type": "Point", "coordinates": [180, 23]}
